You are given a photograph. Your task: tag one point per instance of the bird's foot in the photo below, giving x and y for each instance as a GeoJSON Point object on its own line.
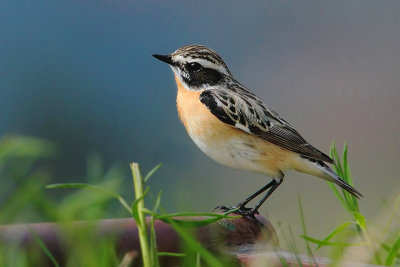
{"type": "Point", "coordinates": [241, 210]}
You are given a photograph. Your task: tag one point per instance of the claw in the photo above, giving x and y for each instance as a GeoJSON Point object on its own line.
{"type": "Point", "coordinates": [243, 211]}
{"type": "Point", "coordinates": [223, 208]}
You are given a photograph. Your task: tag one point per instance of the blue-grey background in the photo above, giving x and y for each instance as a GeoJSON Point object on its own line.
{"type": "Point", "coordinates": [80, 73]}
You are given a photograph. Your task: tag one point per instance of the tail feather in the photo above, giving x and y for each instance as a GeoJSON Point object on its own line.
{"type": "Point", "coordinates": [333, 177]}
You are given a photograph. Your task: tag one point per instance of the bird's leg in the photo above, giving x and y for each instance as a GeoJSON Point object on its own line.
{"type": "Point", "coordinates": [250, 198]}
{"type": "Point", "coordinates": [242, 209]}
{"type": "Point", "coordinates": [272, 189]}
{"type": "Point", "coordinates": [248, 212]}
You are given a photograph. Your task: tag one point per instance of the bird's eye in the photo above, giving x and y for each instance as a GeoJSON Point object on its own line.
{"type": "Point", "coordinates": [194, 66]}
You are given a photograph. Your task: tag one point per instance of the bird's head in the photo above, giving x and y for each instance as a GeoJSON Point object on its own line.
{"type": "Point", "coordinates": [197, 66]}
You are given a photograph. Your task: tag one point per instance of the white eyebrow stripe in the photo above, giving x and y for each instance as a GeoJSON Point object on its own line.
{"type": "Point", "coordinates": [205, 63]}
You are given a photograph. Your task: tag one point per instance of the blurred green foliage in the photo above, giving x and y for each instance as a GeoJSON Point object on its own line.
{"type": "Point", "coordinates": [25, 170]}
{"type": "Point", "coordinates": [381, 242]}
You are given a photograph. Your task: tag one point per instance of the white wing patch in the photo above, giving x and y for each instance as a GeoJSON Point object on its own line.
{"type": "Point", "coordinates": [242, 127]}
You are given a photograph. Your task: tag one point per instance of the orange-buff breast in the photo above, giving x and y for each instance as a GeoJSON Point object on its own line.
{"type": "Point", "coordinates": [225, 143]}
{"type": "Point", "coordinates": [195, 116]}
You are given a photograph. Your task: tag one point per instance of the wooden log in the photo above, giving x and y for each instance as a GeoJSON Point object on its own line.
{"type": "Point", "coordinates": [229, 234]}
{"type": "Point", "coordinates": [234, 236]}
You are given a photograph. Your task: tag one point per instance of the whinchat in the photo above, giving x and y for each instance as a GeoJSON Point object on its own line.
{"type": "Point", "coordinates": [231, 125]}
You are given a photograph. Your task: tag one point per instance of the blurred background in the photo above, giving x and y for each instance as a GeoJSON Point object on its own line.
{"type": "Point", "coordinates": [80, 74]}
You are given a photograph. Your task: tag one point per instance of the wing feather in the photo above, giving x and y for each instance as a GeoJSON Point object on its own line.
{"type": "Point", "coordinates": [246, 112]}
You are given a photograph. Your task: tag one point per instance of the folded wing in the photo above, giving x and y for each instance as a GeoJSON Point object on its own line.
{"type": "Point", "coordinates": [246, 112]}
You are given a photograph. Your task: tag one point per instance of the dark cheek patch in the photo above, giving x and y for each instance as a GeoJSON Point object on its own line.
{"type": "Point", "coordinates": [204, 76]}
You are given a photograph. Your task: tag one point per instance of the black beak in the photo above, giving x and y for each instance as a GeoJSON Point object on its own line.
{"type": "Point", "coordinates": [165, 58]}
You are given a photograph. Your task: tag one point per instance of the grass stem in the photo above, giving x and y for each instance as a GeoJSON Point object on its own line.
{"type": "Point", "coordinates": [141, 223]}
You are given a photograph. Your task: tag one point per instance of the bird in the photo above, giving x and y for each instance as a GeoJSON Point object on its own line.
{"type": "Point", "coordinates": [234, 127]}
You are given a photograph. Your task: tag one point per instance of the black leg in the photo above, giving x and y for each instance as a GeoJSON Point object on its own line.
{"type": "Point", "coordinates": [250, 198]}
{"type": "Point", "coordinates": [274, 186]}
{"type": "Point", "coordinates": [248, 211]}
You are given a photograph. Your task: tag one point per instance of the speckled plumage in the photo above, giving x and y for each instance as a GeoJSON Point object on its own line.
{"type": "Point", "coordinates": [233, 126]}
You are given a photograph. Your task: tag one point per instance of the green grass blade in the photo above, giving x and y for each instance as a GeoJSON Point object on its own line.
{"type": "Point", "coordinates": [153, 238]}
{"type": "Point", "coordinates": [294, 247]}
{"type": "Point", "coordinates": [348, 178]}
{"type": "Point", "coordinates": [157, 202]}
{"type": "Point", "coordinates": [195, 245]}
{"type": "Point", "coordinates": [336, 231]}
{"type": "Point", "coordinates": [153, 245]}
{"type": "Point", "coordinates": [43, 247]}
{"type": "Point", "coordinates": [282, 259]}
{"type": "Point", "coordinates": [387, 248]}
{"type": "Point", "coordinates": [339, 171]}
{"type": "Point", "coordinates": [135, 209]}
{"type": "Point", "coordinates": [303, 225]}
{"type": "Point", "coordinates": [151, 172]}
{"type": "Point", "coordinates": [346, 171]}
{"type": "Point", "coordinates": [338, 195]}
{"type": "Point", "coordinates": [196, 214]}
{"type": "Point", "coordinates": [142, 227]}
{"type": "Point", "coordinates": [198, 260]}
{"type": "Point", "coordinates": [393, 253]}
{"type": "Point", "coordinates": [326, 243]}
{"type": "Point", "coordinates": [348, 201]}
{"type": "Point", "coordinates": [348, 197]}
{"type": "Point", "coordinates": [193, 223]}
{"type": "Point", "coordinates": [360, 220]}
{"type": "Point", "coordinates": [335, 156]}
{"type": "Point", "coordinates": [171, 254]}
